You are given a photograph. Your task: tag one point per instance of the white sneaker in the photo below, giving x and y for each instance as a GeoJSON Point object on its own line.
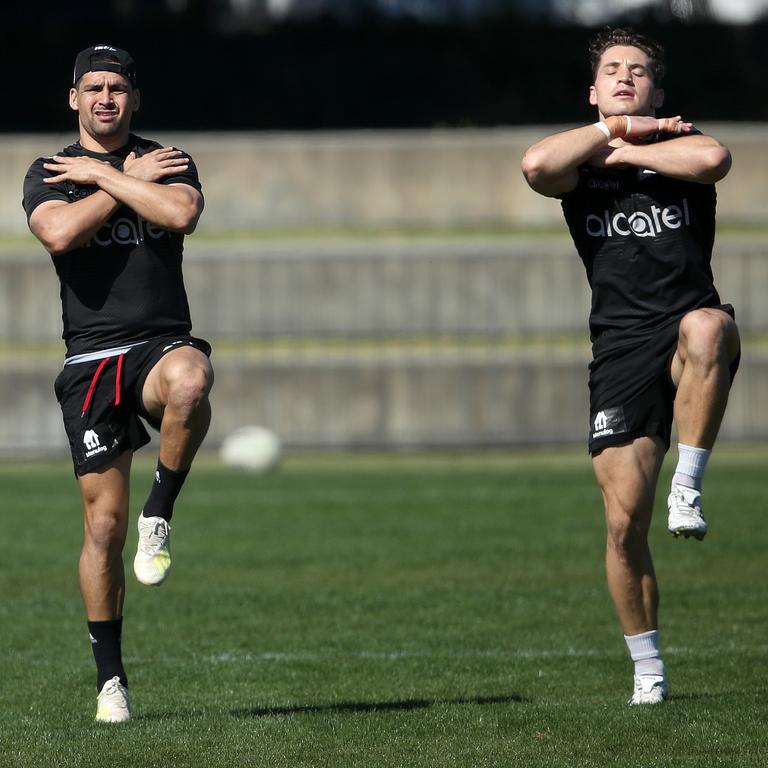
{"type": "Point", "coordinates": [153, 555]}
{"type": "Point", "coordinates": [685, 516]}
{"type": "Point", "coordinates": [649, 689]}
{"type": "Point", "coordinates": [113, 704]}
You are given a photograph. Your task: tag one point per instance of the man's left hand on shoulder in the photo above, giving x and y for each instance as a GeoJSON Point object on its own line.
{"type": "Point", "coordinates": [156, 165]}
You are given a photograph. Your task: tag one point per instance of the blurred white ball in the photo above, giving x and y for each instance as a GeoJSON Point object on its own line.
{"type": "Point", "coordinates": [253, 448]}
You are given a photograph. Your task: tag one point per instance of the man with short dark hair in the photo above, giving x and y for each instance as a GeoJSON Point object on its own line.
{"type": "Point", "coordinates": [112, 209]}
{"type": "Point", "coordinates": [638, 195]}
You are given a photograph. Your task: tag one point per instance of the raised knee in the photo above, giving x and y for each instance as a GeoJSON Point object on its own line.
{"type": "Point", "coordinates": [188, 387]}
{"type": "Point", "coordinates": [710, 337]}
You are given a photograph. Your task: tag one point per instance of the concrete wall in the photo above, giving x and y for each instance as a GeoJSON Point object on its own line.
{"type": "Point", "coordinates": [433, 179]}
{"type": "Point", "coordinates": [520, 289]}
{"type": "Point", "coordinates": [394, 344]}
{"type": "Point", "coordinates": [384, 341]}
{"type": "Point", "coordinates": [384, 402]}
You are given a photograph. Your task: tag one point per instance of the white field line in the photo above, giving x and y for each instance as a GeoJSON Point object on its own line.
{"type": "Point", "coordinates": [279, 657]}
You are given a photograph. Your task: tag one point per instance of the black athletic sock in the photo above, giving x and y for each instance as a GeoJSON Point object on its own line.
{"type": "Point", "coordinates": [164, 491]}
{"type": "Point", "coordinates": [105, 641]}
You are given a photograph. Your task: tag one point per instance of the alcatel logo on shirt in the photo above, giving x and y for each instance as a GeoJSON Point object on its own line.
{"type": "Point", "coordinates": [606, 185]}
{"type": "Point", "coordinates": [639, 223]}
{"type": "Point", "coordinates": [124, 231]}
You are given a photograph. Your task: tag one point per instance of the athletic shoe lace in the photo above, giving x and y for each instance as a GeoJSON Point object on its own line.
{"type": "Point", "coordinates": [153, 543]}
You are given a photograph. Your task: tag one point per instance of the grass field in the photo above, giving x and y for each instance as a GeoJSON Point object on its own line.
{"type": "Point", "coordinates": [387, 612]}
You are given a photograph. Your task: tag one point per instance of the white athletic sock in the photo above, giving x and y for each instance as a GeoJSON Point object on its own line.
{"type": "Point", "coordinates": [644, 650]}
{"type": "Point", "coordinates": [690, 466]}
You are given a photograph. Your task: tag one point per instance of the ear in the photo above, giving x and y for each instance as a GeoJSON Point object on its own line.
{"type": "Point", "coordinates": [658, 98]}
{"type": "Point", "coordinates": [73, 99]}
{"type": "Point", "coordinates": [136, 96]}
{"type": "Point", "coordinates": [592, 96]}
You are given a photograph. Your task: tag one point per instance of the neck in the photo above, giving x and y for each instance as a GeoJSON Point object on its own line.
{"type": "Point", "coordinates": [639, 113]}
{"type": "Point", "coordinates": [104, 144]}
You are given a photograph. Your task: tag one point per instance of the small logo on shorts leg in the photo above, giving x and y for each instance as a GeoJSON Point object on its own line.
{"type": "Point", "coordinates": [174, 344]}
{"type": "Point", "coordinates": [608, 422]}
{"type": "Point", "coordinates": [92, 444]}
{"type": "Point", "coordinates": [600, 421]}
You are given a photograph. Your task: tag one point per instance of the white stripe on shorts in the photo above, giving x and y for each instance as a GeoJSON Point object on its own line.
{"type": "Point", "coordinates": [87, 357]}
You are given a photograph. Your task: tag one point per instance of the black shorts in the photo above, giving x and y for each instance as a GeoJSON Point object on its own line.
{"type": "Point", "coordinates": [101, 401]}
{"type": "Point", "coordinates": [631, 392]}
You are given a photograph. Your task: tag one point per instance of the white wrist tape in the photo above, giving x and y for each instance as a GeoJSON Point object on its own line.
{"type": "Point", "coordinates": [604, 128]}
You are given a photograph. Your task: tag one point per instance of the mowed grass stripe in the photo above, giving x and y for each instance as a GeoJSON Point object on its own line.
{"type": "Point", "coordinates": [443, 612]}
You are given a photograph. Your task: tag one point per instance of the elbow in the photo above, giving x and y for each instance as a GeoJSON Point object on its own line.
{"type": "Point", "coordinates": [716, 162]}
{"type": "Point", "coordinates": [56, 242]}
{"type": "Point", "coordinates": [532, 167]}
{"type": "Point", "coordinates": [186, 218]}
{"type": "Point", "coordinates": [544, 179]}
{"type": "Point", "coordinates": [56, 249]}
{"type": "Point", "coordinates": [721, 162]}
{"type": "Point", "coordinates": [182, 224]}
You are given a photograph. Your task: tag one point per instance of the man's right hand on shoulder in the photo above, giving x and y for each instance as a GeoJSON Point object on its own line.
{"type": "Point", "coordinates": [80, 170]}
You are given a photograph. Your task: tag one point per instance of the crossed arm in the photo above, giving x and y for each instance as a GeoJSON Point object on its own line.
{"type": "Point", "coordinates": [551, 165]}
{"type": "Point", "coordinates": [61, 226]}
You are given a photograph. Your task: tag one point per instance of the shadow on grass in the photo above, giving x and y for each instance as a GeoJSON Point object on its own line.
{"type": "Point", "coordinates": [345, 707]}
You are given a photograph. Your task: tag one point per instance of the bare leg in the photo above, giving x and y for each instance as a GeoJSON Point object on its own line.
{"type": "Point", "coordinates": [708, 344]}
{"type": "Point", "coordinates": [105, 505]}
{"type": "Point", "coordinates": [102, 580]}
{"type": "Point", "coordinates": [627, 476]}
{"type": "Point", "coordinates": [176, 393]}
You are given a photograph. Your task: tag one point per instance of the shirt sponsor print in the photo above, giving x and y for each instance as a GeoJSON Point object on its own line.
{"type": "Point", "coordinates": [124, 231]}
{"type": "Point", "coordinates": [639, 223]}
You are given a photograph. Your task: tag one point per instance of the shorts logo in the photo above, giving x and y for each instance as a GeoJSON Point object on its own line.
{"type": "Point", "coordinates": [639, 223]}
{"type": "Point", "coordinates": [92, 444]}
{"type": "Point", "coordinates": [608, 422]}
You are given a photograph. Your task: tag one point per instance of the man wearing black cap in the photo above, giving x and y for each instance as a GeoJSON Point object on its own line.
{"type": "Point", "coordinates": [112, 209]}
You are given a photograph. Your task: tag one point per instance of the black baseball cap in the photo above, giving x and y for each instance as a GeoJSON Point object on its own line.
{"type": "Point", "coordinates": [105, 58]}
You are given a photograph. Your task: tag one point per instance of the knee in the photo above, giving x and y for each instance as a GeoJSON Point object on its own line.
{"type": "Point", "coordinates": [105, 530]}
{"type": "Point", "coordinates": [627, 529]}
{"type": "Point", "coordinates": [710, 337]}
{"type": "Point", "coordinates": [188, 386]}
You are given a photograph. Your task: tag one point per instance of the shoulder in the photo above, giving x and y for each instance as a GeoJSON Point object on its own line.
{"type": "Point", "coordinates": [142, 146]}
{"type": "Point", "coordinates": [36, 168]}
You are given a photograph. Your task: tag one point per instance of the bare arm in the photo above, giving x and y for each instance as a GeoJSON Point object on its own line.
{"type": "Point", "coordinates": [175, 207]}
{"type": "Point", "coordinates": [700, 159]}
{"type": "Point", "coordinates": [551, 166]}
{"type": "Point", "coordinates": [62, 226]}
